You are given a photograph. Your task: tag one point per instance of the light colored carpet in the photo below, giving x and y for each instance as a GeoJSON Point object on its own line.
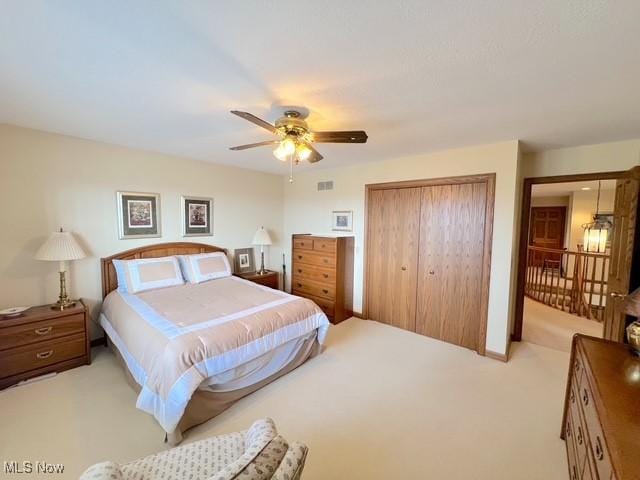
{"type": "Point", "coordinates": [553, 328]}
{"type": "Point", "coordinates": [378, 403]}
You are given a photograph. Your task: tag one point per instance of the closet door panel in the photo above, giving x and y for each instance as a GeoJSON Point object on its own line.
{"type": "Point", "coordinates": [392, 252]}
{"type": "Point", "coordinates": [450, 262]}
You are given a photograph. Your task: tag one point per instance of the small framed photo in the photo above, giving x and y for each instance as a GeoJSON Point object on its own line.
{"type": "Point", "coordinates": [138, 215]}
{"type": "Point", "coordinates": [197, 216]}
{"type": "Point", "coordinates": [342, 221]}
{"type": "Point", "coordinates": [244, 261]}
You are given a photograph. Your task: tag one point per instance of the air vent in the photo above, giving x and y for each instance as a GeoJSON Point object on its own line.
{"type": "Point", "coordinates": [325, 185]}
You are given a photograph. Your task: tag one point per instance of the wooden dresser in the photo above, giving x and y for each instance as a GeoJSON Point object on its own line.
{"type": "Point", "coordinates": [322, 270]}
{"type": "Point", "coordinates": [43, 341]}
{"type": "Point", "coordinates": [601, 422]}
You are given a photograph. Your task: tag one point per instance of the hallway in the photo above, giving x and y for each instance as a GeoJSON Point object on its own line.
{"type": "Point", "coordinates": [552, 328]}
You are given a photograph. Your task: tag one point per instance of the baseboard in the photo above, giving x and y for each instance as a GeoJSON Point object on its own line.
{"type": "Point", "coordinates": [503, 357]}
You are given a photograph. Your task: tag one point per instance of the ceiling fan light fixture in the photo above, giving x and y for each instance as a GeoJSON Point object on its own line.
{"type": "Point", "coordinates": [285, 149]}
{"type": "Point", "coordinates": [303, 152]}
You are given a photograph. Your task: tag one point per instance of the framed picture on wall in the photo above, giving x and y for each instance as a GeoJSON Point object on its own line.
{"type": "Point", "coordinates": [342, 221]}
{"type": "Point", "coordinates": [197, 216]}
{"type": "Point", "coordinates": [244, 261]}
{"type": "Point", "coordinates": [138, 215]}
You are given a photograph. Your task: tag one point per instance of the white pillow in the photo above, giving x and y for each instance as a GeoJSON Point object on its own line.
{"type": "Point", "coordinates": [147, 273]}
{"type": "Point", "coordinates": [204, 266]}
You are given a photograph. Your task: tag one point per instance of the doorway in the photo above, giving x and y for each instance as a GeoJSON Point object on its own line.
{"type": "Point", "coordinates": [564, 288]}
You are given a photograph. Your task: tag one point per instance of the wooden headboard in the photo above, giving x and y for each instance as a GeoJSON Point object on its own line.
{"type": "Point", "coordinates": [109, 279]}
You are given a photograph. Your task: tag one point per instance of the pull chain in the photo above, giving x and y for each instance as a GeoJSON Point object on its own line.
{"type": "Point", "coordinates": [291, 168]}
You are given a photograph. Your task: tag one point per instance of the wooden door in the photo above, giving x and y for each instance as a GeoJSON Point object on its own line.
{"type": "Point", "coordinates": [623, 245]}
{"type": "Point", "coordinates": [392, 255]}
{"type": "Point", "coordinates": [547, 230]}
{"type": "Point", "coordinates": [450, 271]}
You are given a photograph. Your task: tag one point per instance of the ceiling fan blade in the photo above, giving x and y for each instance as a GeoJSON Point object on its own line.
{"type": "Point", "coordinates": [255, 120]}
{"type": "Point", "coordinates": [315, 155]}
{"type": "Point", "coordinates": [352, 136]}
{"type": "Point", "coordinates": [251, 145]}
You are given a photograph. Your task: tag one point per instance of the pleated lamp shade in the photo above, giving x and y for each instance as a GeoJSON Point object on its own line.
{"type": "Point", "coordinates": [261, 237]}
{"type": "Point", "coordinates": [59, 247]}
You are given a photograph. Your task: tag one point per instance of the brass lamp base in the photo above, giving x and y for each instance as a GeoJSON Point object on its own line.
{"type": "Point", "coordinates": [63, 305]}
{"type": "Point", "coordinates": [64, 301]}
{"type": "Point", "coordinates": [633, 336]}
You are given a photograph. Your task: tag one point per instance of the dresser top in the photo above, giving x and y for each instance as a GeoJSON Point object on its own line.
{"type": "Point", "coordinates": [614, 372]}
{"type": "Point", "coordinates": [41, 312]}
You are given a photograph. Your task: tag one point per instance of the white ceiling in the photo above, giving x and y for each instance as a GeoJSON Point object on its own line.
{"type": "Point", "coordinates": [418, 76]}
{"type": "Point", "coordinates": [563, 189]}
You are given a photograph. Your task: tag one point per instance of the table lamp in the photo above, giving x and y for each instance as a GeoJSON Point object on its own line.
{"type": "Point", "coordinates": [263, 239]}
{"type": "Point", "coordinates": [632, 307]}
{"type": "Point", "coordinates": [61, 247]}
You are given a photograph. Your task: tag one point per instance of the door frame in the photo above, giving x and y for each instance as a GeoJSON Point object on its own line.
{"type": "Point", "coordinates": [490, 180]}
{"type": "Point", "coordinates": [527, 188]}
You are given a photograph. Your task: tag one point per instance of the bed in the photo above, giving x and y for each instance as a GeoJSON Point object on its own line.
{"type": "Point", "coordinates": [192, 350]}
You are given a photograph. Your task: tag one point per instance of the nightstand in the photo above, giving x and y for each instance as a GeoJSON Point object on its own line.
{"type": "Point", "coordinates": [42, 341]}
{"type": "Point", "coordinates": [269, 279]}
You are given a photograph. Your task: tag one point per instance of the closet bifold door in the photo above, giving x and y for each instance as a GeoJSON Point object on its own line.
{"type": "Point", "coordinates": [393, 229]}
{"type": "Point", "coordinates": [450, 269]}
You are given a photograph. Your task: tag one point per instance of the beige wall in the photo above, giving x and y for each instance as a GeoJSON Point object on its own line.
{"type": "Point", "coordinates": [603, 157]}
{"type": "Point", "coordinates": [309, 211]}
{"type": "Point", "coordinates": [48, 181]}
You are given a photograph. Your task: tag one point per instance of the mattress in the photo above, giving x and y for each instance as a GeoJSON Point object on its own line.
{"type": "Point", "coordinates": [221, 335]}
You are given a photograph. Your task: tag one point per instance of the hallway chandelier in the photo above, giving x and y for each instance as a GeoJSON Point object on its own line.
{"type": "Point", "coordinates": [596, 232]}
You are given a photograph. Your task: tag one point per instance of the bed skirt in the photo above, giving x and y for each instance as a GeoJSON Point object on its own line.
{"type": "Point", "coordinates": [205, 405]}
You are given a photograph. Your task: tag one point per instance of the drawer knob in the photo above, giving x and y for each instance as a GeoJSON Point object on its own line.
{"type": "Point", "coordinates": [299, 270]}
{"type": "Point", "coordinates": [43, 355]}
{"type": "Point", "coordinates": [43, 330]}
{"type": "Point", "coordinates": [324, 290]}
{"type": "Point", "coordinates": [325, 275]}
{"type": "Point", "coordinates": [577, 366]}
{"type": "Point", "coordinates": [299, 285]}
{"type": "Point", "coordinates": [574, 475]}
{"type": "Point", "coordinates": [579, 435]}
{"type": "Point", "coordinates": [568, 429]}
{"type": "Point", "coordinates": [299, 257]}
{"type": "Point", "coordinates": [585, 397]}
{"type": "Point", "coordinates": [572, 397]}
{"type": "Point", "coordinates": [599, 450]}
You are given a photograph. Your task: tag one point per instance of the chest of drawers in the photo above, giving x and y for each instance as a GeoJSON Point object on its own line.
{"type": "Point", "coordinates": [43, 341]}
{"type": "Point", "coordinates": [322, 270]}
{"type": "Point", "coordinates": [601, 423]}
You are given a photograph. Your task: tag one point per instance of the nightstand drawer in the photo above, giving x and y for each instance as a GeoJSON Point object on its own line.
{"type": "Point", "coordinates": [28, 333]}
{"type": "Point", "coordinates": [43, 354]}
{"type": "Point", "coordinates": [317, 289]}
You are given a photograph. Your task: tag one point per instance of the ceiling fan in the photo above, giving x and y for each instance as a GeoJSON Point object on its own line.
{"type": "Point", "coordinates": [294, 142]}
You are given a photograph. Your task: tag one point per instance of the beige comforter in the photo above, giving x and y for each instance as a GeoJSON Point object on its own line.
{"type": "Point", "coordinates": [174, 338]}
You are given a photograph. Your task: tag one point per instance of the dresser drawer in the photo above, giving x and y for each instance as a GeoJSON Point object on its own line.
{"type": "Point", "coordinates": [326, 305]}
{"type": "Point", "coordinates": [303, 243]}
{"type": "Point", "coordinates": [42, 354]}
{"type": "Point", "coordinates": [580, 435]}
{"type": "Point", "coordinates": [326, 245]}
{"type": "Point", "coordinates": [574, 470]}
{"type": "Point", "coordinates": [313, 288]}
{"type": "Point", "coordinates": [314, 273]}
{"type": "Point", "coordinates": [313, 258]}
{"type": "Point", "coordinates": [29, 333]}
{"type": "Point", "coordinates": [597, 443]}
